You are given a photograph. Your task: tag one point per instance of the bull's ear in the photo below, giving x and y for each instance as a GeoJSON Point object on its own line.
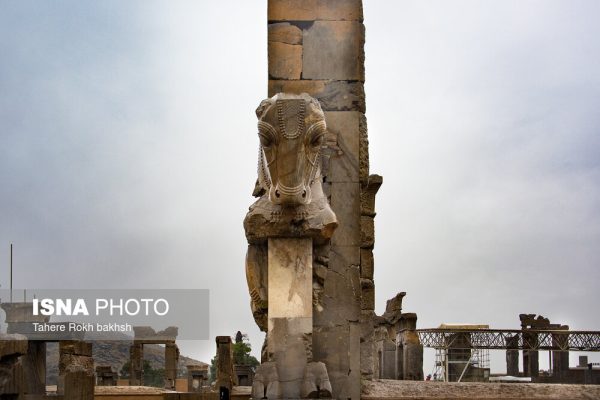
{"type": "Point", "coordinates": [262, 108]}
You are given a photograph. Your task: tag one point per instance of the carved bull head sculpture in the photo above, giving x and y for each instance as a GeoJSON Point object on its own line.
{"type": "Point", "coordinates": [291, 129]}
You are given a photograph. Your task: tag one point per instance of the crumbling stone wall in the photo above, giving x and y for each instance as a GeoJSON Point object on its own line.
{"type": "Point", "coordinates": [317, 47]}
{"type": "Point", "coordinates": [12, 347]}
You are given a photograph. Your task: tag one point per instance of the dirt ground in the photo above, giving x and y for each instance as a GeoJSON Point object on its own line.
{"type": "Point", "coordinates": [391, 389]}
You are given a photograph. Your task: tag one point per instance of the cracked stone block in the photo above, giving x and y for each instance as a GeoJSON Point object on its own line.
{"type": "Point", "coordinates": [334, 50]}
{"type": "Point", "coordinates": [333, 95]}
{"type": "Point", "coordinates": [345, 202]}
{"type": "Point", "coordinates": [285, 60]}
{"type": "Point", "coordinates": [284, 32]}
{"type": "Point", "coordinates": [368, 194]}
{"type": "Point", "coordinates": [312, 10]}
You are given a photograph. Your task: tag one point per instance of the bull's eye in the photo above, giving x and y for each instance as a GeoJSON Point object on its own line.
{"type": "Point", "coordinates": [266, 139]}
{"type": "Point", "coordinates": [317, 139]}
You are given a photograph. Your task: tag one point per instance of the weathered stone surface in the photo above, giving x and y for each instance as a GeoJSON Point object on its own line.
{"type": "Point", "coordinates": [285, 60]}
{"type": "Point", "coordinates": [316, 381]}
{"type": "Point", "coordinates": [12, 345]}
{"type": "Point", "coordinates": [76, 370]}
{"type": "Point", "coordinates": [334, 50]}
{"type": "Point", "coordinates": [331, 346]}
{"type": "Point", "coordinates": [171, 361]}
{"type": "Point", "coordinates": [366, 343]}
{"type": "Point", "coordinates": [405, 390]}
{"type": "Point", "coordinates": [368, 294]}
{"type": "Point", "coordinates": [367, 232]}
{"type": "Point", "coordinates": [363, 161]}
{"type": "Point", "coordinates": [333, 95]}
{"type": "Point", "coordinates": [266, 382]}
{"type": "Point", "coordinates": [339, 286]}
{"type": "Point", "coordinates": [345, 202]}
{"type": "Point", "coordinates": [311, 10]}
{"type": "Point", "coordinates": [224, 369]}
{"type": "Point", "coordinates": [512, 356]}
{"type": "Point", "coordinates": [290, 278]}
{"type": "Point", "coordinates": [79, 384]}
{"type": "Point", "coordinates": [413, 361]}
{"type": "Point", "coordinates": [366, 264]}
{"type": "Point", "coordinates": [354, 373]}
{"type": "Point", "coordinates": [367, 195]}
{"type": "Point", "coordinates": [284, 32]}
{"type": "Point", "coordinates": [135, 357]}
{"type": "Point", "coordinates": [393, 309]}
{"type": "Point", "coordinates": [11, 348]}
{"type": "Point", "coordinates": [343, 163]}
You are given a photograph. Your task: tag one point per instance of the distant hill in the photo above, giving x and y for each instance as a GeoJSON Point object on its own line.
{"type": "Point", "coordinates": [115, 354]}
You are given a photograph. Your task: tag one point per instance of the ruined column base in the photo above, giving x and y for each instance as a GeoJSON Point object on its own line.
{"type": "Point", "coordinates": [267, 384]}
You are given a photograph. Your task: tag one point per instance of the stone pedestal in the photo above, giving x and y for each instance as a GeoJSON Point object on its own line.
{"type": "Point", "coordinates": [290, 372]}
{"type": "Point", "coordinates": [289, 342]}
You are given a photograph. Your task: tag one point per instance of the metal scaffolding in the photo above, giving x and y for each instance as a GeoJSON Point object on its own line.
{"type": "Point", "coordinates": [498, 339]}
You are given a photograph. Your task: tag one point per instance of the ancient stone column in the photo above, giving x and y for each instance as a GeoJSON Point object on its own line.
{"type": "Point", "coordinates": [19, 318]}
{"type": "Point", "coordinates": [76, 370]}
{"type": "Point", "coordinates": [225, 375]}
{"type": "Point", "coordinates": [290, 310]}
{"type": "Point", "coordinates": [512, 356]}
{"type": "Point", "coordinates": [317, 47]}
{"type": "Point", "coordinates": [136, 370]}
{"type": "Point", "coordinates": [412, 349]}
{"type": "Point", "coordinates": [171, 360]}
{"type": "Point", "coordinates": [288, 230]}
{"type": "Point", "coordinates": [560, 359]}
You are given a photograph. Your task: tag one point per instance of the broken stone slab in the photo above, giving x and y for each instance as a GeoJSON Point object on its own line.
{"type": "Point", "coordinates": [333, 95]}
{"type": "Point", "coordinates": [367, 195]}
{"type": "Point", "coordinates": [284, 32]}
{"type": "Point", "coordinates": [312, 10]}
{"type": "Point", "coordinates": [393, 309]}
{"type": "Point", "coordinates": [285, 60]}
{"type": "Point", "coordinates": [334, 50]}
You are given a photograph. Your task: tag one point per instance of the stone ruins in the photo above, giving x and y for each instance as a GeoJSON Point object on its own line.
{"type": "Point", "coordinates": [309, 262]}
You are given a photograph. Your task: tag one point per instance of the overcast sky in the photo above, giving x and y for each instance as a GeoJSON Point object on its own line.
{"type": "Point", "coordinates": [128, 153]}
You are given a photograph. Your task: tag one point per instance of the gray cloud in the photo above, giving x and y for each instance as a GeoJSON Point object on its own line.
{"type": "Point", "coordinates": [127, 152]}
